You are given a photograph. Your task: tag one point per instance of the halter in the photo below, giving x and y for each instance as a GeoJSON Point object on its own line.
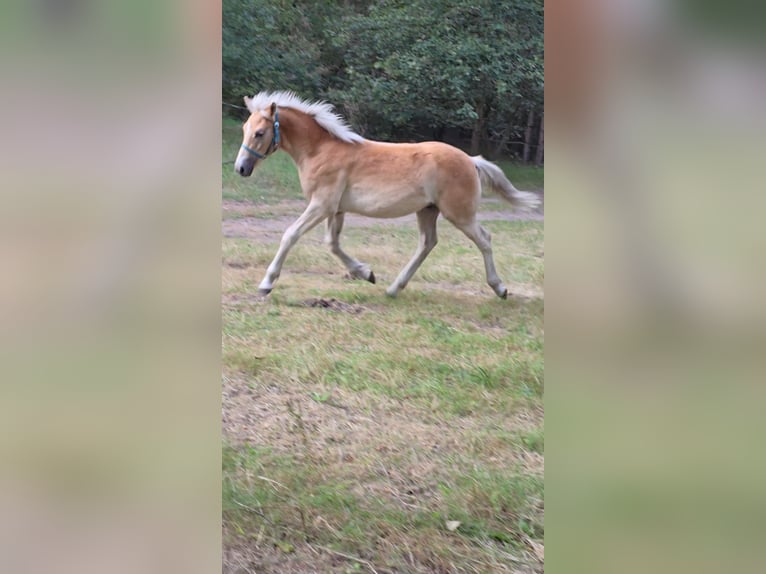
{"type": "Point", "coordinates": [274, 140]}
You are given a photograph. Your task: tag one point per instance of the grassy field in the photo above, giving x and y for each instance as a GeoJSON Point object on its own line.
{"type": "Point", "coordinates": [365, 434]}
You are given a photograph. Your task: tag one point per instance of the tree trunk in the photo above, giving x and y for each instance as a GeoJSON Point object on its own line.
{"type": "Point", "coordinates": [540, 142]}
{"type": "Point", "coordinates": [528, 136]}
{"type": "Point", "coordinates": [478, 129]}
{"type": "Point", "coordinates": [502, 143]}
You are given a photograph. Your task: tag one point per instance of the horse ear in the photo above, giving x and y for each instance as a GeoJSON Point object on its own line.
{"type": "Point", "coordinates": [273, 108]}
{"type": "Point", "coordinates": [249, 104]}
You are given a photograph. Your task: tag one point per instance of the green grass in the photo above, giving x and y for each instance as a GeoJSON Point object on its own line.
{"type": "Point", "coordinates": [523, 176]}
{"type": "Point", "coordinates": [534, 440]}
{"type": "Point", "coordinates": [303, 503]}
{"type": "Point", "coordinates": [362, 432]}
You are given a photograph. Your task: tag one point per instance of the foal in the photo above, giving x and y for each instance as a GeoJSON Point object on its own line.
{"type": "Point", "coordinates": [341, 172]}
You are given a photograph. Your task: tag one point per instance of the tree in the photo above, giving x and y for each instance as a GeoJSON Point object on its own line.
{"type": "Point", "coordinates": [426, 63]}
{"type": "Point", "coordinates": [397, 69]}
{"type": "Point", "coordinates": [267, 46]}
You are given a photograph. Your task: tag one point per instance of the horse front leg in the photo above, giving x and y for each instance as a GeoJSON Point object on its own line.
{"type": "Point", "coordinates": [357, 269]}
{"type": "Point", "coordinates": [314, 214]}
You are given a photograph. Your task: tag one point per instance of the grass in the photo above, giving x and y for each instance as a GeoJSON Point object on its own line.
{"type": "Point", "coordinates": [524, 176]}
{"type": "Point", "coordinates": [355, 434]}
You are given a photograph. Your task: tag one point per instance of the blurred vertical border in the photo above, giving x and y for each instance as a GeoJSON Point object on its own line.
{"type": "Point", "coordinates": [110, 286]}
{"type": "Point", "coordinates": [654, 266]}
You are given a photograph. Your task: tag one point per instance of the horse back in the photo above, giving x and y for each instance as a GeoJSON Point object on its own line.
{"type": "Point", "coordinates": [391, 180]}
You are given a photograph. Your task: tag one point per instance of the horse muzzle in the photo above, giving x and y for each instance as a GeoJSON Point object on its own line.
{"type": "Point", "coordinates": [244, 166]}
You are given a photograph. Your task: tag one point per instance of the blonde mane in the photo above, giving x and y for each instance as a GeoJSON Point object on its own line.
{"type": "Point", "coordinates": [322, 112]}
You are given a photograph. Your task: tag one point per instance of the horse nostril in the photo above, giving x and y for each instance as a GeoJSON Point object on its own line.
{"type": "Point", "coordinates": [241, 170]}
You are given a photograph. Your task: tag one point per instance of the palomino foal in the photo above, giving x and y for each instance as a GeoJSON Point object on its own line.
{"type": "Point", "coordinates": [341, 172]}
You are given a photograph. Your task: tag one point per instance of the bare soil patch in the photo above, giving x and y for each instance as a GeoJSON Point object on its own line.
{"type": "Point", "coordinates": [252, 223]}
{"type": "Point", "coordinates": [304, 559]}
{"type": "Point", "coordinates": [334, 305]}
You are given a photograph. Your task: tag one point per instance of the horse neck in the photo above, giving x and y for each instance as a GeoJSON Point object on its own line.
{"type": "Point", "coordinates": [301, 135]}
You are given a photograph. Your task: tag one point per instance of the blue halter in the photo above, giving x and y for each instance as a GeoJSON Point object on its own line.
{"type": "Point", "coordinates": [274, 140]}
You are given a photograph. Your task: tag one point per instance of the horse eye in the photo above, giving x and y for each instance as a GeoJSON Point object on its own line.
{"type": "Point", "coordinates": [259, 133]}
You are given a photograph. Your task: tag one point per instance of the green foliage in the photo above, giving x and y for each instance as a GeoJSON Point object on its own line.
{"type": "Point", "coordinates": [398, 70]}
{"type": "Point", "coordinates": [447, 64]}
{"type": "Point", "coordinates": [267, 45]}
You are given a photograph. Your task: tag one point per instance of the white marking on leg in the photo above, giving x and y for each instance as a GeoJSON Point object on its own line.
{"type": "Point", "coordinates": [314, 213]}
{"type": "Point", "coordinates": [483, 240]}
{"type": "Point", "coordinates": [332, 237]}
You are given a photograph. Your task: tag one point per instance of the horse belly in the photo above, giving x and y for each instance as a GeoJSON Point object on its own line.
{"type": "Point", "coordinates": [384, 202]}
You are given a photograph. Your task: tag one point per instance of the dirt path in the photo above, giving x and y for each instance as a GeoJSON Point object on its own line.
{"type": "Point", "coordinates": [250, 221]}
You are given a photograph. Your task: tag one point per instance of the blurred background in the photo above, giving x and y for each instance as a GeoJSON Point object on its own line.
{"type": "Point", "coordinates": [110, 245]}
{"type": "Point", "coordinates": [655, 318]}
{"type": "Point", "coordinates": [110, 286]}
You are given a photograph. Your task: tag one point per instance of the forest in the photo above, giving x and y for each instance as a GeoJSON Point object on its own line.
{"type": "Point", "coordinates": [470, 74]}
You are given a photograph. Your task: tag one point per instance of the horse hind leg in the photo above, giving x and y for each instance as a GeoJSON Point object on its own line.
{"type": "Point", "coordinates": [483, 240]}
{"type": "Point", "coordinates": [356, 268]}
{"type": "Point", "coordinates": [427, 225]}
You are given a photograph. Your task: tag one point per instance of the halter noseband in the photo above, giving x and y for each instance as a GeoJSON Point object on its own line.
{"type": "Point", "coordinates": [274, 140]}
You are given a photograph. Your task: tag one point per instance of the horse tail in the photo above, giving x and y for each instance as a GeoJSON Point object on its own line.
{"type": "Point", "coordinates": [493, 177]}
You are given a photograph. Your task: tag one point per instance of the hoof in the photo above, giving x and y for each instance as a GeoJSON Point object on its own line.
{"type": "Point", "coordinates": [371, 278]}
{"type": "Point", "coordinates": [264, 292]}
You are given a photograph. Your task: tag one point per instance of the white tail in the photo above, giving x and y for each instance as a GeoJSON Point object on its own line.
{"type": "Point", "coordinates": [493, 177]}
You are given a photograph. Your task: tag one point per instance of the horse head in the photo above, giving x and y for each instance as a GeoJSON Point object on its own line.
{"type": "Point", "coordinates": [260, 137]}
